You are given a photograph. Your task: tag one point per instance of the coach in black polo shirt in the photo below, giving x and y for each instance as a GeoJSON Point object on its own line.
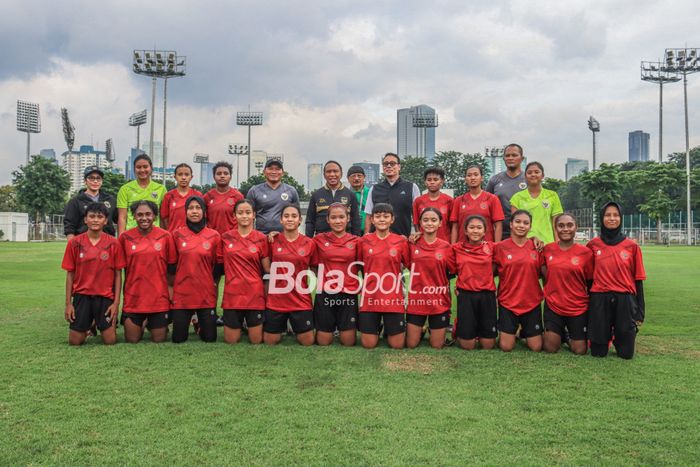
{"type": "Point", "coordinates": [395, 191]}
{"type": "Point", "coordinates": [332, 192]}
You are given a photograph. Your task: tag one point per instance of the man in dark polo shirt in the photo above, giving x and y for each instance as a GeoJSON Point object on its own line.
{"type": "Point", "coordinates": [399, 193]}
{"type": "Point", "coordinates": [332, 192]}
{"type": "Point", "coordinates": [507, 183]}
{"type": "Point", "coordinates": [270, 197]}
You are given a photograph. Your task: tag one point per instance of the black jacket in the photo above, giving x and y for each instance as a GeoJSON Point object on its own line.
{"type": "Point", "coordinates": [400, 196]}
{"type": "Point", "coordinates": [74, 216]}
{"type": "Point", "coordinates": [321, 199]}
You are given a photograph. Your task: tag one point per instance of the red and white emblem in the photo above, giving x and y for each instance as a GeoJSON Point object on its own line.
{"type": "Point", "coordinates": [302, 251]}
{"type": "Point", "coordinates": [253, 249]}
{"type": "Point", "coordinates": [393, 252]}
{"type": "Point", "coordinates": [533, 255]}
{"type": "Point", "coordinates": [158, 246]}
{"type": "Point", "coordinates": [230, 201]}
{"type": "Point", "coordinates": [206, 245]}
{"type": "Point", "coordinates": [575, 260]}
{"type": "Point", "coordinates": [484, 206]}
{"type": "Point", "coordinates": [104, 256]}
{"type": "Point", "coordinates": [438, 256]}
{"type": "Point", "coordinates": [624, 255]}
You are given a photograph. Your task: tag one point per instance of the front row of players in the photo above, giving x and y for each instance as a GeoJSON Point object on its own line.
{"type": "Point", "coordinates": [592, 294]}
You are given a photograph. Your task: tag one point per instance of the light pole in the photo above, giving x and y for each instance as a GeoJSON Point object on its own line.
{"type": "Point", "coordinates": [594, 126]}
{"type": "Point", "coordinates": [654, 72]}
{"type": "Point", "coordinates": [159, 64]}
{"type": "Point", "coordinates": [202, 160]}
{"type": "Point", "coordinates": [237, 150]}
{"type": "Point", "coordinates": [28, 120]}
{"type": "Point", "coordinates": [249, 119]}
{"type": "Point", "coordinates": [684, 61]}
{"type": "Point", "coordinates": [137, 119]}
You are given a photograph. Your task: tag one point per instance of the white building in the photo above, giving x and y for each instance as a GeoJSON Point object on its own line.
{"type": "Point", "coordinates": [76, 162]}
{"type": "Point", "coordinates": [314, 176]}
{"type": "Point", "coordinates": [14, 226]}
{"type": "Point", "coordinates": [415, 131]}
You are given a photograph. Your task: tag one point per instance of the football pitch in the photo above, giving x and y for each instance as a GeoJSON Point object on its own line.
{"type": "Point", "coordinates": [198, 403]}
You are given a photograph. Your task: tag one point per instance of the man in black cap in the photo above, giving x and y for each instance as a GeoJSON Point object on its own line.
{"type": "Point", "coordinates": [74, 215]}
{"type": "Point", "coordinates": [270, 197]}
{"type": "Point", "coordinates": [356, 179]}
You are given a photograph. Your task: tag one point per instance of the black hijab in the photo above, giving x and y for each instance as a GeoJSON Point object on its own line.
{"type": "Point", "coordinates": [610, 236]}
{"type": "Point", "coordinates": [196, 227]}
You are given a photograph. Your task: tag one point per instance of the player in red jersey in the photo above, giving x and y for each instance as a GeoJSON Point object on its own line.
{"type": "Point", "coordinates": [221, 199]}
{"type": "Point", "coordinates": [476, 202]}
{"type": "Point", "coordinates": [617, 296]}
{"type": "Point", "coordinates": [429, 296]}
{"type": "Point", "coordinates": [434, 179]}
{"type": "Point", "coordinates": [383, 254]}
{"type": "Point", "coordinates": [519, 291]}
{"type": "Point", "coordinates": [148, 251]}
{"type": "Point", "coordinates": [289, 292]}
{"type": "Point", "coordinates": [194, 291]}
{"type": "Point", "coordinates": [93, 261]}
{"type": "Point", "coordinates": [476, 289]}
{"type": "Point", "coordinates": [172, 209]}
{"type": "Point", "coordinates": [245, 256]}
{"type": "Point", "coordinates": [567, 269]}
{"type": "Point", "coordinates": [335, 305]}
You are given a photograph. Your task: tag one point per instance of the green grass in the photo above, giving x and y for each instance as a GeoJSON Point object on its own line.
{"type": "Point", "coordinates": [218, 404]}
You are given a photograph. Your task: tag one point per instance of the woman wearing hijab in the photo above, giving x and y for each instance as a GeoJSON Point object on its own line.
{"type": "Point", "coordinates": [194, 290]}
{"type": "Point", "coordinates": [617, 296]}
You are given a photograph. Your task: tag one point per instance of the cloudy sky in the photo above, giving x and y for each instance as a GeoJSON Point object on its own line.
{"type": "Point", "coordinates": [329, 75]}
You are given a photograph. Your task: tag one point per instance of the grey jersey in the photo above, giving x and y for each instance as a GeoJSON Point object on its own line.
{"type": "Point", "coordinates": [269, 204]}
{"type": "Point", "coordinates": [505, 187]}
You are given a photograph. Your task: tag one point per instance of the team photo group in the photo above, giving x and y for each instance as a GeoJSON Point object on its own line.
{"type": "Point", "coordinates": [383, 261]}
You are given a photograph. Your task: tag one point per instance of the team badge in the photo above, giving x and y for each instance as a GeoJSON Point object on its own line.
{"type": "Point", "coordinates": [464, 206]}
{"type": "Point", "coordinates": [206, 245]}
{"type": "Point", "coordinates": [211, 201]}
{"type": "Point", "coordinates": [484, 206]}
{"type": "Point", "coordinates": [344, 199]}
{"type": "Point", "coordinates": [351, 245]}
{"type": "Point", "coordinates": [575, 261]}
{"type": "Point", "coordinates": [230, 201]}
{"type": "Point", "coordinates": [624, 255]}
{"type": "Point", "coordinates": [486, 249]}
{"type": "Point", "coordinates": [133, 247]}
{"type": "Point", "coordinates": [284, 196]}
{"type": "Point", "coordinates": [545, 204]}
{"type": "Point", "coordinates": [598, 252]}
{"type": "Point", "coordinates": [104, 256]}
{"type": "Point", "coordinates": [302, 251]}
{"type": "Point", "coordinates": [107, 205]}
{"type": "Point", "coordinates": [551, 257]}
{"type": "Point", "coordinates": [403, 192]}
{"type": "Point", "coordinates": [174, 203]}
{"type": "Point", "coordinates": [521, 185]}
{"type": "Point", "coordinates": [438, 256]}
{"type": "Point", "coordinates": [265, 196]}
{"type": "Point", "coordinates": [326, 244]}
{"type": "Point", "coordinates": [157, 246]}
{"type": "Point", "coordinates": [154, 195]}
{"type": "Point", "coordinates": [320, 200]}
{"type": "Point", "coordinates": [533, 255]}
{"type": "Point", "coordinates": [417, 251]}
{"type": "Point", "coordinates": [184, 244]}
{"type": "Point", "coordinates": [393, 252]}
{"type": "Point", "coordinates": [370, 252]}
{"type": "Point", "coordinates": [279, 249]}
{"type": "Point", "coordinates": [509, 256]}
{"type": "Point", "coordinates": [230, 245]}
{"type": "Point", "coordinates": [81, 255]}
{"type": "Point", "coordinates": [253, 249]}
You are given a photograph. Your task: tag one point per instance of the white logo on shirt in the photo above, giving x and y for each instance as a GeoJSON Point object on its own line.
{"type": "Point", "coordinates": [230, 245]}
{"type": "Point", "coordinates": [598, 252]}
{"type": "Point", "coordinates": [279, 249]}
{"type": "Point", "coordinates": [184, 244]}
{"type": "Point", "coordinates": [284, 196]}
{"type": "Point", "coordinates": [509, 256]}
{"type": "Point", "coordinates": [133, 247]}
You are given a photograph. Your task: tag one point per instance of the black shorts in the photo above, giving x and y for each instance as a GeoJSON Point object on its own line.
{"type": "Point", "coordinates": [157, 320]}
{"type": "Point", "coordinates": [576, 326]}
{"type": "Point", "coordinates": [335, 311]}
{"type": "Point", "coordinates": [611, 313]}
{"type": "Point", "coordinates": [369, 322]}
{"type": "Point", "coordinates": [276, 322]}
{"type": "Point", "coordinates": [440, 321]}
{"type": "Point", "coordinates": [234, 318]}
{"type": "Point", "coordinates": [89, 308]}
{"type": "Point", "coordinates": [476, 315]}
{"type": "Point", "coordinates": [531, 322]}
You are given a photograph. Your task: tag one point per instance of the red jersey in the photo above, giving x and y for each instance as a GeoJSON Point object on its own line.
{"type": "Point", "coordinates": [474, 266]}
{"type": "Point", "coordinates": [568, 272]}
{"type": "Point", "coordinates": [383, 280]}
{"type": "Point", "coordinates": [147, 258]}
{"type": "Point", "coordinates": [194, 279]}
{"type": "Point", "coordinates": [485, 205]}
{"type": "Point", "coordinates": [443, 204]}
{"type": "Point", "coordinates": [298, 255]}
{"type": "Point", "coordinates": [617, 267]}
{"type": "Point", "coordinates": [93, 266]}
{"type": "Point", "coordinates": [519, 276]}
{"type": "Point", "coordinates": [429, 287]}
{"type": "Point", "coordinates": [242, 258]}
{"type": "Point", "coordinates": [220, 215]}
{"type": "Point", "coordinates": [173, 208]}
{"type": "Point", "coordinates": [334, 255]}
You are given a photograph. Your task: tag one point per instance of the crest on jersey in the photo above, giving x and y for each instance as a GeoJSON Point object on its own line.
{"type": "Point", "coordinates": [285, 196]}
{"type": "Point", "coordinates": [230, 201]}
{"type": "Point", "coordinates": [484, 206]}
{"type": "Point", "coordinates": [533, 255]}
{"type": "Point", "coordinates": [184, 244]}
{"type": "Point", "coordinates": [546, 204]}
{"type": "Point", "coordinates": [438, 256]}
{"type": "Point", "coordinates": [326, 244]}
{"type": "Point", "coordinates": [211, 201]}
{"type": "Point", "coordinates": [230, 245]}
{"type": "Point", "coordinates": [350, 245]}
{"type": "Point", "coordinates": [302, 251]}
{"type": "Point", "coordinates": [206, 245]}
{"type": "Point", "coordinates": [575, 261]}
{"type": "Point", "coordinates": [253, 249]}
{"type": "Point", "coordinates": [509, 256]}
{"type": "Point", "coordinates": [107, 205]}
{"type": "Point", "coordinates": [417, 251]}
{"type": "Point", "coordinates": [279, 249]}
{"type": "Point", "coordinates": [154, 195]}
{"type": "Point", "coordinates": [464, 206]}
{"type": "Point", "coordinates": [344, 199]}
{"type": "Point", "coordinates": [158, 246]}
{"type": "Point", "coordinates": [370, 252]}
{"type": "Point", "coordinates": [551, 257]}
{"type": "Point", "coordinates": [320, 200]}
{"type": "Point", "coordinates": [133, 247]}
{"type": "Point", "coordinates": [393, 252]}
{"type": "Point", "coordinates": [104, 256]}
{"type": "Point", "coordinates": [624, 255]}
{"type": "Point", "coordinates": [522, 185]}
{"type": "Point", "coordinates": [174, 203]}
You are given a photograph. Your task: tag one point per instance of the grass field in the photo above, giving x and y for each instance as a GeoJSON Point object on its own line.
{"type": "Point", "coordinates": [218, 404]}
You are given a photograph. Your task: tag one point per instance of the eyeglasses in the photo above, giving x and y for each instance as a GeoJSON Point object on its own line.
{"type": "Point", "coordinates": [94, 179]}
{"type": "Point", "coordinates": [390, 164]}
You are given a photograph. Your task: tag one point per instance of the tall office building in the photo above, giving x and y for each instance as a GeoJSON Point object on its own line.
{"type": "Point", "coordinates": [638, 146]}
{"type": "Point", "coordinates": [314, 176]}
{"type": "Point", "coordinates": [206, 174]}
{"type": "Point", "coordinates": [77, 161]}
{"type": "Point", "coordinates": [157, 156]}
{"type": "Point", "coordinates": [415, 131]}
{"type": "Point", "coordinates": [49, 154]}
{"type": "Point", "coordinates": [575, 167]}
{"type": "Point", "coordinates": [371, 172]}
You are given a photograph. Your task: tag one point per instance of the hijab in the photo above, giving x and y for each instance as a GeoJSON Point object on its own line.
{"type": "Point", "coordinates": [611, 236]}
{"type": "Point", "coordinates": [196, 227]}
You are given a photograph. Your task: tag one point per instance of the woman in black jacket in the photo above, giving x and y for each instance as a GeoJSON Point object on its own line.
{"type": "Point", "coordinates": [74, 215]}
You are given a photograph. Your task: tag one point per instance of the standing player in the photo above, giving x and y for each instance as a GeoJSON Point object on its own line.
{"type": "Point", "coordinates": [434, 179]}
{"type": "Point", "coordinates": [335, 306]}
{"type": "Point", "coordinates": [93, 261]}
{"type": "Point", "coordinates": [172, 210]}
{"type": "Point", "coordinates": [617, 295]}
{"type": "Point", "coordinates": [148, 251]}
{"type": "Point", "coordinates": [476, 290]}
{"type": "Point", "coordinates": [221, 199]}
{"type": "Point", "coordinates": [429, 296]}
{"type": "Point", "coordinates": [194, 290]}
{"type": "Point", "coordinates": [384, 254]}
{"type": "Point", "coordinates": [141, 188]}
{"type": "Point", "coordinates": [541, 203]}
{"type": "Point", "coordinates": [519, 291]}
{"type": "Point", "coordinates": [246, 256]}
{"type": "Point", "coordinates": [567, 269]}
{"type": "Point", "coordinates": [289, 292]}
{"type": "Point", "coordinates": [476, 202]}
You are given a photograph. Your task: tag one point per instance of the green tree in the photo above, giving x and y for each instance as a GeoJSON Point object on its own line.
{"type": "Point", "coordinates": [112, 182]}
{"type": "Point", "coordinates": [678, 158]}
{"type": "Point", "coordinates": [555, 184]}
{"type": "Point", "coordinates": [455, 165]}
{"type": "Point", "coordinates": [286, 178]}
{"type": "Point", "coordinates": [8, 199]}
{"type": "Point", "coordinates": [602, 185]}
{"type": "Point", "coordinates": [412, 168]}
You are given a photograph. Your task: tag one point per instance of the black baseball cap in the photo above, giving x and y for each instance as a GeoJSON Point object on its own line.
{"type": "Point", "coordinates": [356, 169]}
{"type": "Point", "coordinates": [93, 169]}
{"type": "Point", "coordinates": [276, 162]}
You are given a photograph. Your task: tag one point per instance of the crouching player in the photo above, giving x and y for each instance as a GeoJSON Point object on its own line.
{"type": "Point", "coordinates": [93, 261]}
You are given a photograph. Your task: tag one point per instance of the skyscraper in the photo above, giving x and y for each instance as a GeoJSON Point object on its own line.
{"type": "Point", "coordinates": [575, 167]}
{"type": "Point", "coordinates": [371, 172]}
{"type": "Point", "coordinates": [314, 176]}
{"type": "Point", "coordinates": [415, 131]}
{"type": "Point", "coordinates": [638, 146]}
{"type": "Point", "coordinates": [49, 154]}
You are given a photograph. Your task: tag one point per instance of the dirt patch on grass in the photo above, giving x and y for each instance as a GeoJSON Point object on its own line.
{"type": "Point", "coordinates": [423, 364]}
{"type": "Point", "coordinates": [655, 345]}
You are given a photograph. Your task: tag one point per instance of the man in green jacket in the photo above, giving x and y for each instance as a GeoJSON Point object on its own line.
{"type": "Point", "coordinates": [356, 179]}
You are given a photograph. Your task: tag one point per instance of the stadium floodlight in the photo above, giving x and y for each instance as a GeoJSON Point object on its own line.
{"type": "Point", "coordinates": [28, 120]}
{"type": "Point", "coordinates": [68, 130]}
{"type": "Point", "coordinates": [109, 150]}
{"type": "Point", "coordinates": [249, 119]}
{"type": "Point", "coordinates": [654, 72]}
{"type": "Point", "coordinates": [594, 126]}
{"type": "Point", "coordinates": [137, 119]}
{"type": "Point", "coordinates": [201, 159]}
{"type": "Point", "coordinates": [237, 150]}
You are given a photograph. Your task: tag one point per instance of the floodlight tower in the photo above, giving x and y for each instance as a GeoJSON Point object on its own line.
{"type": "Point", "coordinates": [594, 126]}
{"type": "Point", "coordinates": [249, 119]}
{"type": "Point", "coordinates": [237, 150]}
{"type": "Point", "coordinates": [425, 120]}
{"type": "Point", "coordinates": [68, 130]}
{"type": "Point", "coordinates": [684, 62]}
{"type": "Point", "coordinates": [201, 159]}
{"type": "Point", "coordinates": [654, 72]}
{"type": "Point", "coordinates": [28, 120]}
{"type": "Point", "coordinates": [137, 119]}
